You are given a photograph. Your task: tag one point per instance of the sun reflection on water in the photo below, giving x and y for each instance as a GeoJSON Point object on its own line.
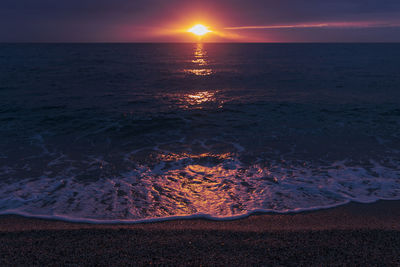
{"type": "Point", "coordinates": [202, 72]}
{"type": "Point", "coordinates": [193, 182]}
{"type": "Point", "coordinates": [200, 61]}
{"type": "Point", "coordinates": [207, 156]}
{"type": "Point", "coordinates": [200, 97]}
{"type": "Point", "coordinates": [200, 100]}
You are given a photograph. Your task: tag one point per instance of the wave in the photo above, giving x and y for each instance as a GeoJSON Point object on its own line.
{"type": "Point", "coordinates": [192, 186]}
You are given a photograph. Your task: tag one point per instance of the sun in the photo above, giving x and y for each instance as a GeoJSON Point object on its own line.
{"type": "Point", "coordinates": [199, 30]}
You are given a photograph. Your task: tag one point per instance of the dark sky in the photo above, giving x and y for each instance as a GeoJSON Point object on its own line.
{"type": "Point", "coordinates": [231, 20]}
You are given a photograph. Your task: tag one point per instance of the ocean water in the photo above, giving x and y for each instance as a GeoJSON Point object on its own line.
{"type": "Point", "coordinates": [136, 132]}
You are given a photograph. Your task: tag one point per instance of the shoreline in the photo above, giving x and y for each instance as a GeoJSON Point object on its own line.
{"type": "Point", "coordinates": [172, 218]}
{"type": "Point", "coordinates": [382, 214]}
{"type": "Point", "coordinates": [354, 234]}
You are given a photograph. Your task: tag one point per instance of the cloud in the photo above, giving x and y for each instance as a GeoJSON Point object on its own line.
{"type": "Point", "coordinates": [319, 25]}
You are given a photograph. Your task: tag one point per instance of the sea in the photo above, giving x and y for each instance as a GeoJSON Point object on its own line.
{"type": "Point", "coordinates": [111, 133]}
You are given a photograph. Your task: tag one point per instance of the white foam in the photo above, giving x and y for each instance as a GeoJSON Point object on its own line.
{"type": "Point", "coordinates": [222, 191]}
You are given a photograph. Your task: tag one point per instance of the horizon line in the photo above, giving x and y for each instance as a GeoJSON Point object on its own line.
{"type": "Point", "coordinates": [174, 42]}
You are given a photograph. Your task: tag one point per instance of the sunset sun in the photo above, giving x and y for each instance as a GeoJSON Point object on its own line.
{"type": "Point", "coordinates": [199, 30]}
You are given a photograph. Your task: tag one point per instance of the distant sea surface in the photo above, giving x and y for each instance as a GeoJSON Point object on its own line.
{"type": "Point", "coordinates": [136, 132]}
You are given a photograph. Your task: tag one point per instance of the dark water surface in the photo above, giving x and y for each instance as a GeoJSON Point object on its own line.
{"type": "Point", "coordinates": [138, 131]}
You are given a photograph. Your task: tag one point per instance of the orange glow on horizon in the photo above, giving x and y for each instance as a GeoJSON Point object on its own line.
{"type": "Point", "coordinates": [197, 30]}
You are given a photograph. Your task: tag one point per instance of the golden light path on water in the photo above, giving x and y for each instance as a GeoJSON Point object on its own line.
{"type": "Point", "coordinates": [201, 68]}
{"type": "Point", "coordinates": [196, 99]}
{"type": "Point", "coordinates": [200, 61]}
{"type": "Point", "coordinates": [195, 186]}
{"type": "Point", "coordinates": [200, 97]}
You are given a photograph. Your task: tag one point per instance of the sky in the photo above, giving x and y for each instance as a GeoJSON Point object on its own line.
{"type": "Point", "coordinates": [230, 20]}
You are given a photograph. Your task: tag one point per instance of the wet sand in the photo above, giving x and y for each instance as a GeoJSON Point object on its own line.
{"type": "Point", "coordinates": [356, 234]}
